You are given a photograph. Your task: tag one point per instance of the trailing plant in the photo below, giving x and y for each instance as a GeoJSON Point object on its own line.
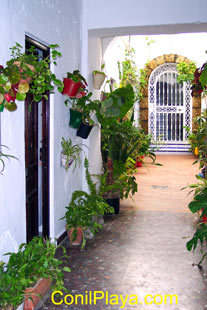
{"type": "Point", "coordinates": [84, 206]}
{"type": "Point", "coordinates": [32, 261]}
{"type": "Point", "coordinates": [94, 72]}
{"type": "Point", "coordinates": [72, 152]}
{"type": "Point", "coordinates": [27, 73]}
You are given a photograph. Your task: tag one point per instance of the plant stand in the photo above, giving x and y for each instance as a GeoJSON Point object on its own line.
{"type": "Point", "coordinates": [32, 295]}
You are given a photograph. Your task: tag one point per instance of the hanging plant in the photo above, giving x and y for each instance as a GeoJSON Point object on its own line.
{"type": "Point", "coordinates": [27, 73]}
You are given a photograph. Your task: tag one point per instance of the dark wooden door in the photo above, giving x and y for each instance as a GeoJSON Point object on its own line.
{"type": "Point", "coordinates": [37, 159]}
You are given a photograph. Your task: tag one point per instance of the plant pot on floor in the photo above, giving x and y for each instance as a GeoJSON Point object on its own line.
{"type": "Point", "coordinates": [84, 130]}
{"type": "Point", "coordinates": [34, 294]}
{"type": "Point", "coordinates": [79, 237]}
{"type": "Point", "coordinates": [113, 200]}
{"type": "Point", "coordinates": [75, 119]}
{"type": "Point", "coordinates": [70, 87]}
{"type": "Point", "coordinates": [139, 161]}
{"type": "Point", "coordinates": [98, 79]}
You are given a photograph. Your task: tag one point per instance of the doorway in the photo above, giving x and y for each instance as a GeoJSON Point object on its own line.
{"type": "Point", "coordinates": [170, 109]}
{"type": "Point", "coordinates": [37, 157]}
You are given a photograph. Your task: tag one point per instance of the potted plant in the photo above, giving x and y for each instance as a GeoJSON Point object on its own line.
{"type": "Point", "coordinates": [77, 107]}
{"type": "Point", "coordinates": [98, 78]}
{"type": "Point", "coordinates": [26, 73]}
{"type": "Point", "coordinates": [81, 211]}
{"type": "Point", "coordinates": [73, 83]}
{"type": "Point", "coordinates": [70, 153]}
{"type": "Point", "coordinates": [115, 136]}
{"type": "Point", "coordinates": [23, 274]}
{"type": "Point", "coordinates": [87, 123]}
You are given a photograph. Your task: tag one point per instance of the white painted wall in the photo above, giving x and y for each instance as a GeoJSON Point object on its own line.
{"type": "Point", "coordinates": [50, 21]}
{"type": "Point", "coordinates": [119, 17]}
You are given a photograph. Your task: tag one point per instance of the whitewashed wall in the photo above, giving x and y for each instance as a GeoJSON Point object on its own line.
{"type": "Point", "coordinates": [50, 21]}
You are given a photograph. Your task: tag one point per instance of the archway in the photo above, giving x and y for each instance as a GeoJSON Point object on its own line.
{"type": "Point", "coordinates": [144, 102]}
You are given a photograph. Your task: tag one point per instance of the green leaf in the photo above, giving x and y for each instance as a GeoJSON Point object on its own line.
{"type": "Point", "coordinates": [3, 78]}
{"type": "Point", "coordinates": [203, 77]}
{"type": "Point", "coordinates": [67, 269]}
{"type": "Point", "coordinates": [20, 97]}
{"type": "Point", "coordinates": [37, 98]}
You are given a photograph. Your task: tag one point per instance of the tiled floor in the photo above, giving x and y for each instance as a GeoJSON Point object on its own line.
{"type": "Point", "coordinates": [142, 250]}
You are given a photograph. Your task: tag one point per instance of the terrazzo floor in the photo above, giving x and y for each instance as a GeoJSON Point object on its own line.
{"type": "Point", "coordinates": [142, 251]}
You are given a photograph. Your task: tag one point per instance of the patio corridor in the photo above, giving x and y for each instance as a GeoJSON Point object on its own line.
{"type": "Point", "coordinates": [142, 251]}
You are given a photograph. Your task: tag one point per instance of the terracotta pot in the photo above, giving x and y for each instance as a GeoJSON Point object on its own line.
{"type": "Point", "coordinates": [98, 80]}
{"type": "Point", "coordinates": [29, 78]}
{"type": "Point", "coordinates": [41, 288]}
{"type": "Point", "coordinates": [71, 88]}
{"type": "Point", "coordinates": [79, 237]}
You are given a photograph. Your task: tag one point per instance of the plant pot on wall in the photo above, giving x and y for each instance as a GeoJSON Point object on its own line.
{"type": "Point", "coordinates": [84, 130]}
{"type": "Point", "coordinates": [70, 87]}
{"type": "Point", "coordinates": [33, 295]}
{"type": "Point", "coordinates": [98, 79]}
{"type": "Point", "coordinates": [75, 118]}
{"type": "Point", "coordinates": [65, 161]}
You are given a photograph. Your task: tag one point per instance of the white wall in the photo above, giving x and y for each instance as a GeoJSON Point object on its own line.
{"type": "Point", "coordinates": [119, 17]}
{"type": "Point", "coordinates": [50, 21]}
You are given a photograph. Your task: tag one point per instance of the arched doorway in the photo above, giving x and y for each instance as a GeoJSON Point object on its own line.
{"type": "Point", "coordinates": [170, 109]}
{"type": "Point", "coordinates": [156, 67]}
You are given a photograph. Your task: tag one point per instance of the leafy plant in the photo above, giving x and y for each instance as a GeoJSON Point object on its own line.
{"type": "Point", "coordinates": [23, 69]}
{"type": "Point", "coordinates": [72, 152]}
{"type": "Point", "coordinates": [186, 71]}
{"type": "Point", "coordinates": [77, 77]}
{"type": "Point", "coordinates": [3, 156]}
{"type": "Point", "coordinates": [97, 71]}
{"type": "Point", "coordinates": [33, 261]}
{"type": "Point", "coordinates": [84, 206]}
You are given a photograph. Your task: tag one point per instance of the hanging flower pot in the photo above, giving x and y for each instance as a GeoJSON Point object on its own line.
{"type": "Point", "coordinates": [71, 88]}
{"type": "Point", "coordinates": [26, 79]}
{"type": "Point", "coordinates": [98, 79]}
{"type": "Point", "coordinates": [75, 118]}
{"type": "Point", "coordinates": [65, 161]}
{"type": "Point", "coordinates": [84, 130]}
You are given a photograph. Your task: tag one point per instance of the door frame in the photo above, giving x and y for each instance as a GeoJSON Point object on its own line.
{"type": "Point", "coordinates": [45, 152]}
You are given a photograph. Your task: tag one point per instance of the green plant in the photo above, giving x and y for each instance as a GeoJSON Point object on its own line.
{"type": "Point", "coordinates": [33, 261]}
{"type": "Point", "coordinates": [3, 156]}
{"type": "Point", "coordinates": [72, 152]}
{"type": "Point", "coordinates": [186, 71]}
{"type": "Point", "coordinates": [23, 69]}
{"type": "Point", "coordinates": [97, 71]}
{"type": "Point", "coordinates": [83, 104]}
{"type": "Point", "coordinates": [77, 77]}
{"type": "Point", "coordinates": [198, 204]}
{"type": "Point", "coordinates": [84, 206]}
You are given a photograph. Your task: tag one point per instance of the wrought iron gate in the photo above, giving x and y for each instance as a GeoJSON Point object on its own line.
{"type": "Point", "coordinates": [169, 109]}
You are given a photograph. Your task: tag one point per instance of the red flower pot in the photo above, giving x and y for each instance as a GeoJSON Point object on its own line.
{"type": "Point", "coordinates": [70, 87]}
{"type": "Point", "coordinates": [139, 161]}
